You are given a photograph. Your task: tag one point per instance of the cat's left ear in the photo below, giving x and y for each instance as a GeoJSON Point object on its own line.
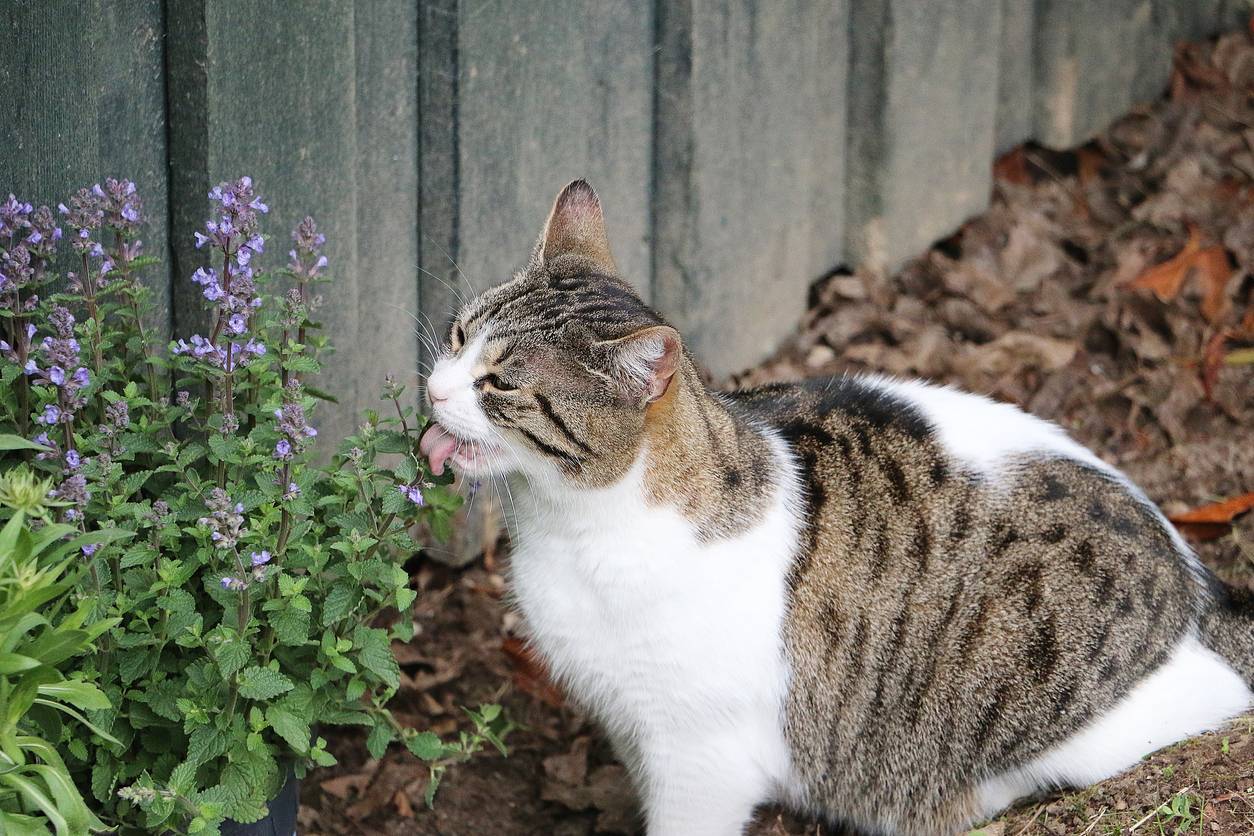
{"type": "Point", "coordinates": [644, 363]}
{"type": "Point", "coordinates": [576, 226]}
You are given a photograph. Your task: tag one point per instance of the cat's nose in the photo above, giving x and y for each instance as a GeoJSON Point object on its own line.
{"type": "Point", "coordinates": [436, 393]}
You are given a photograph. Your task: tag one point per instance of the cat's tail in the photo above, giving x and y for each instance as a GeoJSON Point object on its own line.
{"type": "Point", "coordinates": [1228, 628]}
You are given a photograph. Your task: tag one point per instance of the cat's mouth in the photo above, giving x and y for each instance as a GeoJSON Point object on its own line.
{"type": "Point", "coordinates": [440, 446]}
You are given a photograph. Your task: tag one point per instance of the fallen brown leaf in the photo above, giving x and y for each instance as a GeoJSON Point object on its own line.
{"type": "Point", "coordinates": [1212, 362]}
{"type": "Point", "coordinates": [1166, 279]}
{"type": "Point", "coordinates": [1215, 271]}
{"type": "Point", "coordinates": [1217, 512]}
{"type": "Point", "coordinates": [403, 807]}
{"type": "Point", "coordinates": [357, 782]}
{"type": "Point", "coordinates": [530, 674]}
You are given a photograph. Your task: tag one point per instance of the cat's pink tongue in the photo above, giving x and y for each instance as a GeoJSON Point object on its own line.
{"type": "Point", "coordinates": [438, 445]}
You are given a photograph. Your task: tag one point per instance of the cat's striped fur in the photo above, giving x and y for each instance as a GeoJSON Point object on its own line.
{"type": "Point", "coordinates": [886, 604]}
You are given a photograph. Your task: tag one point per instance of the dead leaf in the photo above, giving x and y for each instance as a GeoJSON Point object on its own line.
{"type": "Point", "coordinates": [1212, 362]}
{"type": "Point", "coordinates": [530, 674]}
{"type": "Point", "coordinates": [1166, 279]}
{"type": "Point", "coordinates": [357, 782]}
{"type": "Point", "coordinates": [1016, 350]}
{"type": "Point", "coordinates": [1012, 167]}
{"type": "Point", "coordinates": [571, 768]}
{"type": "Point", "coordinates": [403, 807]}
{"type": "Point", "coordinates": [1215, 271]}
{"type": "Point", "coordinates": [1217, 512]}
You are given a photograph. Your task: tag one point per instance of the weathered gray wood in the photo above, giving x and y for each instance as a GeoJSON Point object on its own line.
{"type": "Point", "coordinates": [547, 92]}
{"type": "Point", "coordinates": [441, 287]}
{"type": "Point", "coordinates": [1095, 61]}
{"type": "Point", "coordinates": [84, 100]}
{"type": "Point", "coordinates": [386, 46]}
{"type": "Point", "coordinates": [750, 169]}
{"type": "Point", "coordinates": [922, 122]}
{"type": "Point", "coordinates": [317, 106]}
{"type": "Point", "coordinates": [1015, 88]}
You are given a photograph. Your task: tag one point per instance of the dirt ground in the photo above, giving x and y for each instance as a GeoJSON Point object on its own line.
{"type": "Point", "coordinates": [1107, 288]}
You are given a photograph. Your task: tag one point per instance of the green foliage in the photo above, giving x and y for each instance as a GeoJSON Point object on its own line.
{"type": "Point", "coordinates": [43, 632]}
{"type": "Point", "coordinates": [237, 580]}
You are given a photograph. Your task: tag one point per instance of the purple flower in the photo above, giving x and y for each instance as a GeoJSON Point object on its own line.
{"type": "Point", "coordinates": [81, 377]}
{"type": "Point", "coordinates": [260, 558]}
{"type": "Point", "coordinates": [72, 459]}
{"type": "Point", "coordinates": [306, 257]}
{"type": "Point", "coordinates": [90, 549]}
{"type": "Point", "coordinates": [283, 449]}
{"type": "Point", "coordinates": [233, 584]}
{"type": "Point", "coordinates": [237, 324]}
{"type": "Point", "coordinates": [413, 493]}
{"type": "Point", "coordinates": [51, 415]}
{"type": "Point", "coordinates": [56, 375]}
{"type": "Point", "coordinates": [293, 491]}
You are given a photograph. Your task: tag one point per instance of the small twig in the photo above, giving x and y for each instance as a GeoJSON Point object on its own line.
{"type": "Point", "coordinates": [1093, 823]}
{"type": "Point", "coordinates": [1040, 808]}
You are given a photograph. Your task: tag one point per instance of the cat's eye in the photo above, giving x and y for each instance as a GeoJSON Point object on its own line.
{"type": "Point", "coordinates": [495, 382]}
{"type": "Point", "coordinates": [457, 336]}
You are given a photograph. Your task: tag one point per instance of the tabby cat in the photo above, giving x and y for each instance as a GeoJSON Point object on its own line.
{"type": "Point", "coordinates": [882, 603]}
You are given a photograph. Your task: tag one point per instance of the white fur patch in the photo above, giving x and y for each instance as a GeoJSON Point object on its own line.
{"type": "Point", "coordinates": [675, 645]}
{"type": "Point", "coordinates": [1195, 690]}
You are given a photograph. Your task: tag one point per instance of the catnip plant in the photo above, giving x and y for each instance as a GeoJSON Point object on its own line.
{"type": "Point", "coordinates": [261, 586]}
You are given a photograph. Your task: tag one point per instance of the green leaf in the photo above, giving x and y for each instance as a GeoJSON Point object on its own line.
{"type": "Point", "coordinates": [374, 651]}
{"type": "Point", "coordinates": [395, 502]}
{"type": "Point", "coordinates": [205, 744]}
{"type": "Point", "coordinates": [257, 683]}
{"type": "Point", "coordinates": [293, 729]}
{"type": "Point", "coordinates": [133, 482]}
{"type": "Point", "coordinates": [290, 625]}
{"type": "Point", "coordinates": [16, 442]}
{"type": "Point", "coordinates": [183, 778]}
{"type": "Point", "coordinates": [425, 745]}
{"type": "Point", "coordinates": [390, 441]}
{"type": "Point", "coordinates": [379, 738]}
{"type": "Point", "coordinates": [82, 695]}
{"type": "Point", "coordinates": [340, 601]}
{"type": "Point", "coordinates": [11, 663]}
{"type": "Point", "coordinates": [406, 469]}
{"type": "Point", "coordinates": [231, 655]}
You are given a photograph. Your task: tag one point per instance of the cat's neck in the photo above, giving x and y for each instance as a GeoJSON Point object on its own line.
{"type": "Point", "coordinates": [707, 460]}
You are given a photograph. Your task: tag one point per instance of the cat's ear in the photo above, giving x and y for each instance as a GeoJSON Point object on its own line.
{"type": "Point", "coordinates": [644, 363]}
{"type": "Point", "coordinates": [576, 226]}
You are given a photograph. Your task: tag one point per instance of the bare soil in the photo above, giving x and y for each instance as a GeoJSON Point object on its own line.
{"type": "Point", "coordinates": [1107, 288]}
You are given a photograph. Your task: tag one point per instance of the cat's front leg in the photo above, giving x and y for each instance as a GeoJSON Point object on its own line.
{"type": "Point", "coordinates": [699, 790]}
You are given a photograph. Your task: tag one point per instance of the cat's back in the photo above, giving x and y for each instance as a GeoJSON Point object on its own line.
{"type": "Point", "coordinates": [971, 588]}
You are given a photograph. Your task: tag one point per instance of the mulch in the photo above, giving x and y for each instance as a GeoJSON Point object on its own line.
{"type": "Point", "coordinates": [1109, 288]}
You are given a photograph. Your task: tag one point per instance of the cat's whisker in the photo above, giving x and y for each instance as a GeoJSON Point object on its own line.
{"type": "Point", "coordinates": [461, 297]}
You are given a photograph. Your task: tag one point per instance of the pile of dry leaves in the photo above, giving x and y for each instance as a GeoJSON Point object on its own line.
{"type": "Point", "coordinates": [1110, 289]}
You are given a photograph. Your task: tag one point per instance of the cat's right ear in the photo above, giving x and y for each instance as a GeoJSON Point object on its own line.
{"type": "Point", "coordinates": [576, 226]}
{"type": "Point", "coordinates": [644, 363]}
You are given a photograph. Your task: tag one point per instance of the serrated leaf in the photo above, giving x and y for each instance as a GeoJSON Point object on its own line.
{"type": "Point", "coordinates": [425, 745]}
{"type": "Point", "coordinates": [293, 729]}
{"type": "Point", "coordinates": [231, 656]}
{"type": "Point", "coordinates": [378, 739]}
{"type": "Point", "coordinates": [390, 441]}
{"type": "Point", "coordinates": [340, 601]}
{"type": "Point", "coordinates": [374, 651]}
{"type": "Point", "coordinates": [257, 683]}
{"type": "Point", "coordinates": [290, 625]}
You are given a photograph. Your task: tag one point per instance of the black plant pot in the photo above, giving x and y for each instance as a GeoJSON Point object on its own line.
{"type": "Point", "coordinates": [282, 818]}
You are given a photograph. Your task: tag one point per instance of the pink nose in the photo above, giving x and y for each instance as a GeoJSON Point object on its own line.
{"type": "Point", "coordinates": [436, 393]}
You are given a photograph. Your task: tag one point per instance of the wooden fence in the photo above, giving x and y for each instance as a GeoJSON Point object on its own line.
{"type": "Point", "coordinates": [742, 148]}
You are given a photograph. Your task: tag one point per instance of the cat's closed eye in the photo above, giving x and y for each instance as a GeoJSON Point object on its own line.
{"type": "Point", "coordinates": [494, 382]}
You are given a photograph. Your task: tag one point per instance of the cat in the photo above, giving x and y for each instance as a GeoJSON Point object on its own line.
{"type": "Point", "coordinates": [881, 603]}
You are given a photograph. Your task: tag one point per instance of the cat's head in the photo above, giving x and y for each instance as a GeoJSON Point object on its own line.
{"type": "Point", "coordinates": [556, 372]}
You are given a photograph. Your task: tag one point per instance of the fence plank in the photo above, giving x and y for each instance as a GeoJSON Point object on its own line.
{"type": "Point", "coordinates": [750, 169]}
{"type": "Point", "coordinates": [922, 121]}
{"type": "Point", "coordinates": [548, 92]}
{"type": "Point", "coordinates": [317, 139]}
{"type": "Point", "coordinates": [84, 100]}
{"type": "Point", "coordinates": [1015, 87]}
